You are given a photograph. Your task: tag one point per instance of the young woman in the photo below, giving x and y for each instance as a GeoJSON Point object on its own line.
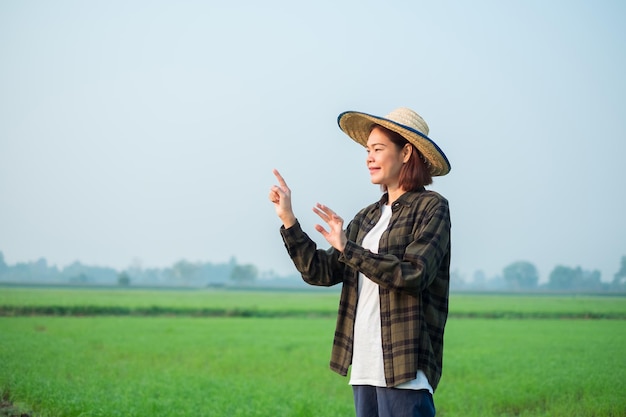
{"type": "Point", "coordinates": [393, 261]}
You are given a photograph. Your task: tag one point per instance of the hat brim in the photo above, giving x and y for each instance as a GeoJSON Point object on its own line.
{"type": "Point", "coordinates": [358, 126]}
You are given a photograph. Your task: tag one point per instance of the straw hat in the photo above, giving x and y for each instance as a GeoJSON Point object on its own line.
{"type": "Point", "coordinates": [407, 123]}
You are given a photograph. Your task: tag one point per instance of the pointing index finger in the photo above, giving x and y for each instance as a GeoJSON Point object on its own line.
{"type": "Point", "coordinates": [280, 179]}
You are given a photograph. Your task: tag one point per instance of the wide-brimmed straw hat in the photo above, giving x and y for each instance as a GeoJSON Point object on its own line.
{"type": "Point", "coordinates": [403, 121]}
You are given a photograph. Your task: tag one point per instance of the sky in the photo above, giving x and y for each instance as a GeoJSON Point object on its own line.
{"type": "Point", "coordinates": [145, 132]}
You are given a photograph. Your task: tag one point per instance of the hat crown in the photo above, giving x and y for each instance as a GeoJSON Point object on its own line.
{"type": "Point", "coordinates": [408, 118]}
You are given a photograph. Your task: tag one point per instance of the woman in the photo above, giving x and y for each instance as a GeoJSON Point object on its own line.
{"type": "Point", "coordinates": [393, 261]}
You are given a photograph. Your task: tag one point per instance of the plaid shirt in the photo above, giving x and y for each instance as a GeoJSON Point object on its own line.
{"type": "Point", "coordinates": [412, 269]}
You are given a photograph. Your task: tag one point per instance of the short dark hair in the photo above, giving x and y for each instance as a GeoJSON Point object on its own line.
{"type": "Point", "coordinates": [414, 175]}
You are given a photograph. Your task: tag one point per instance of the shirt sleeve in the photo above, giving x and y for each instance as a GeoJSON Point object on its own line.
{"type": "Point", "coordinates": [317, 267]}
{"type": "Point", "coordinates": [415, 269]}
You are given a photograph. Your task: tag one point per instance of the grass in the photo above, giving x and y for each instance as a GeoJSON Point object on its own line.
{"type": "Point", "coordinates": [255, 302]}
{"type": "Point", "coordinates": [108, 366]}
{"type": "Point", "coordinates": [538, 306]}
{"type": "Point", "coordinates": [80, 301]}
{"type": "Point", "coordinates": [215, 366]}
{"type": "Point", "coordinates": [534, 368]}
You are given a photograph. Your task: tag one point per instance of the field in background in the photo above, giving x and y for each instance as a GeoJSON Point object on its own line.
{"type": "Point", "coordinates": [124, 365]}
{"type": "Point", "coordinates": [77, 301]}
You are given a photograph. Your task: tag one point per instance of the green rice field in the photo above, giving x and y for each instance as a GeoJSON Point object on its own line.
{"type": "Point", "coordinates": [238, 353]}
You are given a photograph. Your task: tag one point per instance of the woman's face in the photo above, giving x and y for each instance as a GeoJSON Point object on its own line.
{"type": "Point", "coordinates": [384, 159]}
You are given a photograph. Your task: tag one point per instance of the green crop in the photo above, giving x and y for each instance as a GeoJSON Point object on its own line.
{"type": "Point", "coordinates": [179, 365]}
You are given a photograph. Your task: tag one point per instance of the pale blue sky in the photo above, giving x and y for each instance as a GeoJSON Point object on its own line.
{"type": "Point", "coordinates": [148, 130]}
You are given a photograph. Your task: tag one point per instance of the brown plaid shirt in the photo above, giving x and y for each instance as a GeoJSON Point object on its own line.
{"type": "Point", "coordinates": [412, 269]}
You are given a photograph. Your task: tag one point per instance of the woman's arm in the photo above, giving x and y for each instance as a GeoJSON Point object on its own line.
{"type": "Point", "coordinates": [413, 256]}
{"type": "Point", "coordinates": [317, 267]}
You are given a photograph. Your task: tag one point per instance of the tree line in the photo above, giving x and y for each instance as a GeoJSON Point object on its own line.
{"type": "Point", "coordinates": [182, 273]}
{"type": "Point", "coordinates": [518, 276]}
{"type": "Point", "coordinates": [523, 276]}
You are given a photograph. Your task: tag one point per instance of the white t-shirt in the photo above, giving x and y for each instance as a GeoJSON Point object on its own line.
{"type": "Point", "coordinates": [367, 353]}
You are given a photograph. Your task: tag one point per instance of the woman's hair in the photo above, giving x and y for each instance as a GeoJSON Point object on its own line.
{"type": "Point", "coordinates": [415, 173]}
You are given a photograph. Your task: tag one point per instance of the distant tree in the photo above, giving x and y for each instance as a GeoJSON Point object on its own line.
{"type": "Point", "coordinates": [457, 280]}
{"type": "Point", "coordinates": [566, 278]}
{"type": "Point", "coordinates": [215, 273]}
{"type": "Point", "coordinates": [3, 264]}
{"type": "Point", "coordinates": [123, 279]}
{"type": "Point", "coordinates": [184, 271]}
{"type": "Point", "coordinates": [244, 273]}
{"type": "Point", "coordinates": [41, 271]}
{"type": "Point", "coordinates": [80, 273]}
{"type": "Point", "coordinates": [562, 278]}
{"type": "Point", "coordinates": [619, 279]}
{"type": "Point", "coordinates": [591, 280]}
{"type": "Point", "coordinates": [81, 278]}
{"type": "Point", "coordinates": [521, 275]}
{"type": "Point", "coordinates": [496, 283]}
{"type": "Point", "coordinates": [480, 278]}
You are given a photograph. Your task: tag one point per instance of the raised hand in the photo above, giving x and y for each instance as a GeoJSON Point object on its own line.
{"type": "Point", "coordinates": [335, 235]}
{"type": "Point", "coordinates": [280, 195]}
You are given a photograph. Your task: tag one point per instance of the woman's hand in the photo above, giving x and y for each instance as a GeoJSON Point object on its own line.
{"type": "Point", "coordinates": [280, 195]}
{"type": "Point", "coordinates": [335, 236]}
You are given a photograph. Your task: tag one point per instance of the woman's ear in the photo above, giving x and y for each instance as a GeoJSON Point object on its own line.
{"type": "Point", "coordinates": [406, 152]}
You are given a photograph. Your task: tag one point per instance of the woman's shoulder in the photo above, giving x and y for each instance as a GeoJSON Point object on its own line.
{"type": "Point", "coordinates": [424, 197]}
{"type": "Point", "coordinates": [418, 199]}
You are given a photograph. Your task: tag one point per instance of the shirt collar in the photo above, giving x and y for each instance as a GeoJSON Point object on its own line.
{"type": "Point", "coordinates": [405, 199]}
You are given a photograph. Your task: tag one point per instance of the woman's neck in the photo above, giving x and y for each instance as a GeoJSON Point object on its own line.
{"type": "Point", "coordinates": [393, 194]}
